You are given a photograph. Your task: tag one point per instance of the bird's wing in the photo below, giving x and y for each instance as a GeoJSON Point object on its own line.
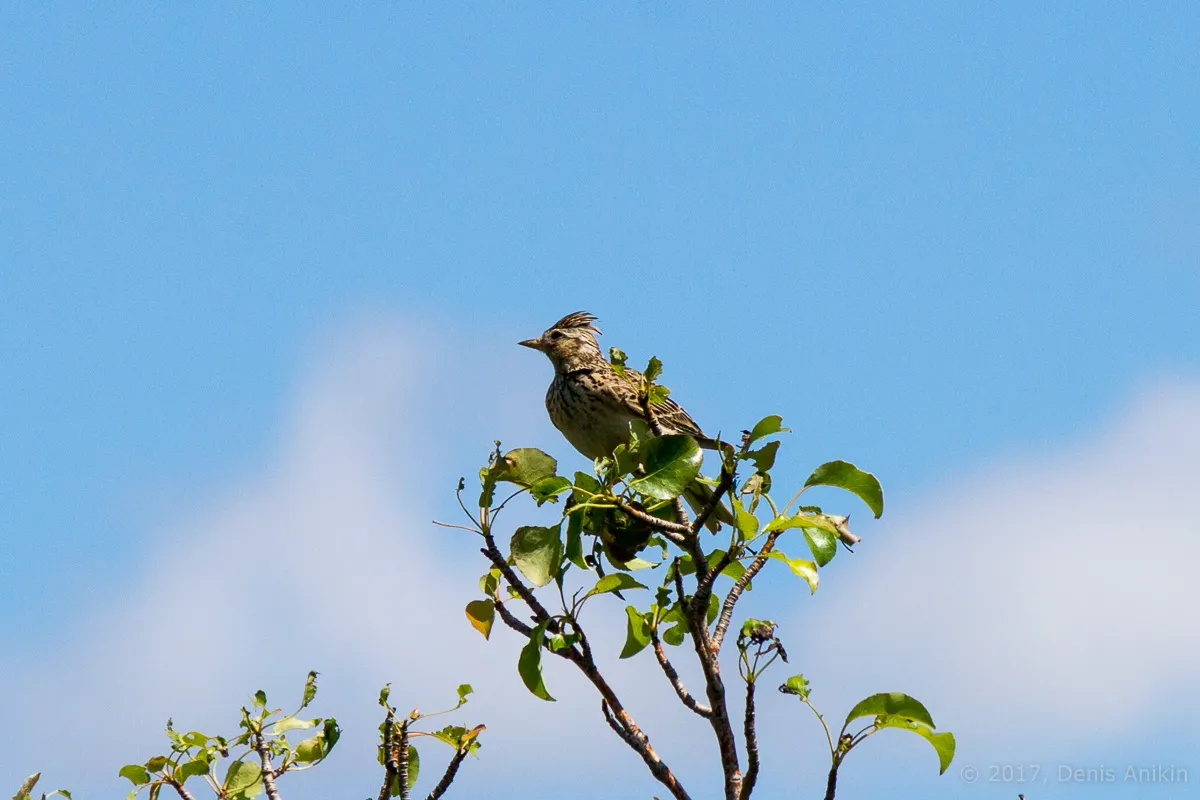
{"type": "Point", "coordinates": [670, 415]}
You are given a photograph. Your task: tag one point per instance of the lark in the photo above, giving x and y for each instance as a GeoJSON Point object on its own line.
{"type": "Point", "coordinates": [592, 404]}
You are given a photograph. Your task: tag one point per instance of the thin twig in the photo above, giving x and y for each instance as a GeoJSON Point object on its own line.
{"type": "Point", "coordinates": [676, 682]}
{"type": "Point", "coordinates": [751, 733]}
{"type": "Point", "coordinates": [674, 531]}
{"type": "Point", "coordinates": [448, 777]}
{"type": "Point", "coordinates": [616, 726]}
{"type": "Point", "coordinates": [723, 486]}
{"type": "Point", "coordinates": [681, 514]}
{"type": "Point", "coordinates": [510, 620]}
{"type": "Point", "coordinates": [739, 586]}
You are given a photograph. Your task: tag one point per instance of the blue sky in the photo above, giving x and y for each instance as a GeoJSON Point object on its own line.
{"type": "Point", "coordinates": [960, 247]}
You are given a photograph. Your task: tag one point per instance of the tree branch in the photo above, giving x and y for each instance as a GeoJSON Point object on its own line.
{"type": "Point", "coordinates": [390, 767]}
{"type": "Point", "coordinates": [623, 723]}
{"type": "Point", "coordinates": [184, 794]}
{"type": "Point", "coordinates": [831, 784]}
{"type": "Point", "coordinates": [268, 772]}
{"type": "Point", "coordinates": [714, 687]}
{"type": "Point", "coordinates": [676, 682]}
{"type": "Point", "coordinates": [750, 730]}
{"type": "Point", "coordinates": [402, 761]}
{"type": "Point", "coordinates": [738, 587]}
{"type": "Point", "coordinates": [448, 777]}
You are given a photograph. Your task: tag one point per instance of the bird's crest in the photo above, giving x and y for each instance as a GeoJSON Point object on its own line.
{"type": "Point", "coordinates": [578, 319]}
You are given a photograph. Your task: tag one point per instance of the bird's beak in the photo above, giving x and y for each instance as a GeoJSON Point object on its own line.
{"type": "Point", "coordinates": [533, 344]}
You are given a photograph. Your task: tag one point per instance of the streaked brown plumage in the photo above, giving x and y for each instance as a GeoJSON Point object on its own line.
{"type": "Point", "coordinates": [592, 404]}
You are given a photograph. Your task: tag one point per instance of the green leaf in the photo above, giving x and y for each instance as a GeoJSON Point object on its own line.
{"type": "Point", "coordinates": [244, 779]}
{"type": "Point", "coordinates": [891, 704]}
{"type": "Point", "coordinates": [653, 369]}
{"type": "Point", "coordinates": [637, 632]}
{"type": "Point", "coordinates": [194, 739]}
{"type": "Point", "coordinates": [943, 743]}
{"type": "Point", "coordinates": [384, 694]}
{"type": "Point", "coordinates": [613, 583]}
{"type": "Point", "coordinates": [617, 357]}
{"type": "Point", "coordinates": [481, 614]}
{"type": "Point", "coordinates": [489, 581]}
{"type": "Point", "coordinates": [529, 664]}
{"type": "Point", "coordinates": [156, 763]}
{"type": "Point", "coordinates": [310, 688]}
{"type": "Point", "coordinates": [317, 747]}
{"type": "Point", "coordinates": [764, 457]}
{"type": "Point", "coordinates": [802, 567]}
{"type": "Point", "coordinates": [525, 466]}
{"type": "Point", "coordinates": [765, 427]}
{"type": "Point", "coordinates": [29, 783]}
{"type": "Point", "coordinates": [671, 464]}
{"type": "Point", "coordinates": [291, 724]}
{"type": "Point", "coordinates": [822, 543]}
{"type": "Point", "coordinates": [310, 750]}
{"type": "Point", "coordinates": [537, 552]}
{"type": "Point", "coordinates": [136, 773]}
{"type": "Point", "coordinates": [846, 476]}
{"type": "Point", "coordinates": [332, 733]}
{"type": "Point", "coordinates": [197, 766]}
{"type": "Point", "coordinates": [549, 489]}
{"type": "Point", "coordinates": [747, 523]}
{"type": "Point", "coordinates": [464, 689]}
{"type": "Point", "coordinates": [176, 739]}
{"type": "Point", "coordinates": [797, 685]}
{"type": "Point", "coordinates": [585, 486]}
{"type": "Point", "coordinates": [733, 569]}
{"type": "Point", "coordinates": [414, 766]}
{"type": "Point", "coordinates": [674, 635]}
{"type": "Point", "coordinates": [574, 549]}
{"type": "Point", "coordinates": [260, 700]}
{"type": "Point", "coordinates": [802, 520]}
{"type": "Point", "coordinates": [487, 480]}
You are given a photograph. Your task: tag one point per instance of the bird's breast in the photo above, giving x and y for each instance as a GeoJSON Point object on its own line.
{"type": "Point", "coordinates": [587, 417]}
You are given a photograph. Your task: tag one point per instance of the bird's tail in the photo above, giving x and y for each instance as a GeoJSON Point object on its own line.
{"type": "Point", "coordinates": [698, 496]}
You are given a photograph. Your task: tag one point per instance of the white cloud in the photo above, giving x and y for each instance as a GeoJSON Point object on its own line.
{"type": "Point", "coordinates": [1042, 603]}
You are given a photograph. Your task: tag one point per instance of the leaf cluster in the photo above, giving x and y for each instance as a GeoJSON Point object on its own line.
{"type": "Point", "coordinates": [240, 766]}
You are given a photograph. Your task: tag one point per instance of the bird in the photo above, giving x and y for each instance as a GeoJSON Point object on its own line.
{"type": "Point", "coordinates": [592, 404]}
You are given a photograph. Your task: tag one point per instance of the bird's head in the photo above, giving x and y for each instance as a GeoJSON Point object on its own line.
{"type": "Point", "coordinates": [570, 343]}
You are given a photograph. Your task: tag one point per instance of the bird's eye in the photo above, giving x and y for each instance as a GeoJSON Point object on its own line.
{"type": "Point", "coordinates": [556, 335]}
